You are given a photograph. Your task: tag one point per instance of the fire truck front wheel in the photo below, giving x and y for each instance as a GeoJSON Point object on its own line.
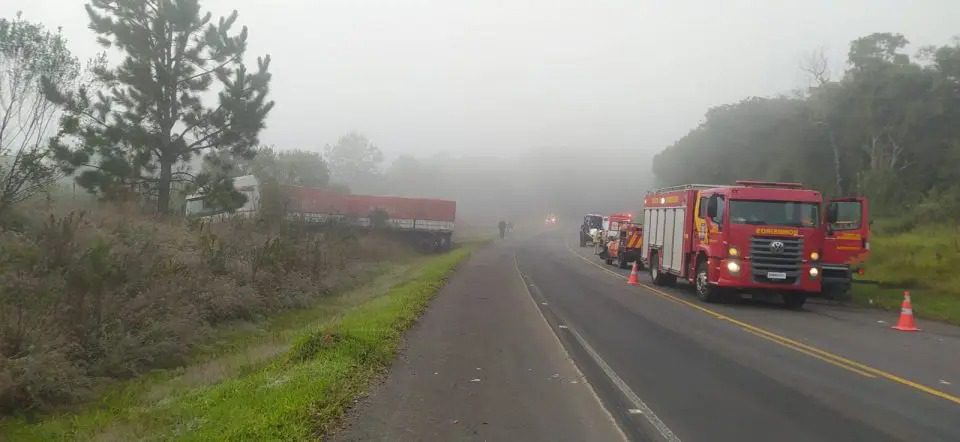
{"type": "Point", "coordinates": [705, 291]}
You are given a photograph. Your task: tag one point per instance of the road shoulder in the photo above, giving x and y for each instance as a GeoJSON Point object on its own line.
{"type": "Point", "coordinates": [482, 364]}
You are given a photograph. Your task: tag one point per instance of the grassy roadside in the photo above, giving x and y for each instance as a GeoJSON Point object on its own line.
{"type": "Point", "coordinates": [926, 304]}
{"type": "Point", "coordinates": [923, 260]}
{"type": "Point", "coordinates": [292, 386]}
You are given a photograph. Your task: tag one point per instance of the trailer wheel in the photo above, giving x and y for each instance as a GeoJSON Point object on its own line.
{"type": "Point", "coordinates": [705, 291]}
{"type": "Point", "coordinates": [794, 301]}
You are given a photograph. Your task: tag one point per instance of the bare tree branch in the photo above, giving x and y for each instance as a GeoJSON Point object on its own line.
{"type": "Point", "coordinates": [817, 65]}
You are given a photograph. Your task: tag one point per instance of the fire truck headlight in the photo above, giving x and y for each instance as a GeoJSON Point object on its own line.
{"type": "Point", "coordinates": [814, 256]}
{"type": "Point", "coordinates": [733, 252]}
{"type": "Point", "coordinates": [733, 267]}
{"type": "Point", "coordinates": [814, 272]}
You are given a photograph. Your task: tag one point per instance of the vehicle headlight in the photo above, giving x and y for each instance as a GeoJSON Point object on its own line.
{"type": "Point", "coordinates": [733, 267]}
{"type": "Point", "coordinates": [814, 256]}
{"type": "Point", "coordinates": [733, 252]}
{"type": "Point", "coordinates": [814, 272]}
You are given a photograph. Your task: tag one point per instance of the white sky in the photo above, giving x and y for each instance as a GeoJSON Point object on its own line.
{"type": "Point", "coordinates": [495, 77]}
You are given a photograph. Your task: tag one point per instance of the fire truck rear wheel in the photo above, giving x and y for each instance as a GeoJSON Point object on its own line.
{"type": "Point", "coordinates": [654, 273]}
{"type": "Point", "coordinates": [658, 277]}
{"type": "Point", "coordinates": [705, 291]}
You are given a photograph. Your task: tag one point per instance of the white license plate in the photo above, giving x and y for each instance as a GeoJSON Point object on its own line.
{"type": "Point", "coordinates": [776, 275]}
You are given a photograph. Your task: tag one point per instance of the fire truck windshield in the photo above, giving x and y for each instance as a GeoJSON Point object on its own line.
{"type": "Point", "coordinates": [774, 213]}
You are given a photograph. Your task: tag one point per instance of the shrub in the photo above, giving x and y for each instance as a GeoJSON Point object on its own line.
{"type": "Point", "coordinates": [86, 297]}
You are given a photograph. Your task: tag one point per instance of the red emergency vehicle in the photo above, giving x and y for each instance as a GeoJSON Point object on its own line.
{"type": "Point", "coordinates": [755, 237]}
{"type": "Point", "coordinates": [611, 231]}
{"type": "Point", "coordinates": [625, 249]}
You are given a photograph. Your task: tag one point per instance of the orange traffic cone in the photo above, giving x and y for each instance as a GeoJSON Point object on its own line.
{"type": "Point", "coordinates": [633, 275]}
{"type": "Point", "coordinates": [906, 315]}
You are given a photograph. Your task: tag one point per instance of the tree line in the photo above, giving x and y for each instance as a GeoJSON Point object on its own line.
{"type": "Point", "coordinates": [887, 128]}
{"type": "Point", "coordinates": [181, 112]}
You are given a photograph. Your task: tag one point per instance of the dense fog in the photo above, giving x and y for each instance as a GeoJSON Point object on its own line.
{"type": "Point", "coordinates": [520, 109]}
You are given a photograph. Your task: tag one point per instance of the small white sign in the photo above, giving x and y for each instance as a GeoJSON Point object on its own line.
{"type": "Point", "coordinates": [776, 275]}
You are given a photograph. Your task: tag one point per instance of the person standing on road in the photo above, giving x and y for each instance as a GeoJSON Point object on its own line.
{"type": "Point", "coordinates": [503, 228]}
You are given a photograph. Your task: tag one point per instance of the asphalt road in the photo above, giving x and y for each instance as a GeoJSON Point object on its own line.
{"type": "Point", "coordinates": [482, 364]}
{"type": "Point", "coordinates": [663, 364]}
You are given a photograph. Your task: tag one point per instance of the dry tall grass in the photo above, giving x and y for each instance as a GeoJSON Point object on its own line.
{"type": "Point", "coordinates": [113, 293]}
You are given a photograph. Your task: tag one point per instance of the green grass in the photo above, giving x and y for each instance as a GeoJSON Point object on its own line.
{"type": "Point", "coordinates": [924, 260]}
{"type": "Point", "coordinates": [926, 303]}
{"type": "Point", "coordinates": [293, 384]}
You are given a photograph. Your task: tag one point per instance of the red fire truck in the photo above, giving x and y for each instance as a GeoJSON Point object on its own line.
{"type": "Point", "coordinates": [625, 249]}
{"type": "Point", "coordinates": [755, 237]}
{"type": "Point", "coordinates": [611, 231]}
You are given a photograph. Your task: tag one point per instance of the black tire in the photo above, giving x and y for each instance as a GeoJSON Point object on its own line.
{"type": "Point", "coordinates": [656, 276]}
{"type": "Point", "coordinates": [705, 291]}
{"type": "Point", "coordinates": [670, 279]}
{"type": "Point", "coordinates": [794, 301]}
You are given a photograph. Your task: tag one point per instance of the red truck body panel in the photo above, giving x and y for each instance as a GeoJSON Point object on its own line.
{"type": "Point", "coordinates": [309, 200]}
{"type": "Point", "coordinates": [847, 240]}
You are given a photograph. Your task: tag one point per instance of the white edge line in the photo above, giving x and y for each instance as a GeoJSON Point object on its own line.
{"type": "Point", "coordinates": [627, 391]}
{"type": "Point", "coordinates": [620, 384]}
{"type": "Point", "coordinates": [623, 435]}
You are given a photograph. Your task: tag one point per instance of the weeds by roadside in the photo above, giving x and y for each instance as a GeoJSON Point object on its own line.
{"type": "Point", "coordinates": [297, 393]}
{"type": "Point", "coordinates": [89, 298]}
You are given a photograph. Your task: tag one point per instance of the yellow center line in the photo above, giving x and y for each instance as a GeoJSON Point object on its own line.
{"type": "Point", "coordinates": [811, 354]}
{"type": "Point", "coordinates": [784, 341]}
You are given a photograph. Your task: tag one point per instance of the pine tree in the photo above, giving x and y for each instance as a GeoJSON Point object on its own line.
{"type": "Point", "coordinates": [149, 115]}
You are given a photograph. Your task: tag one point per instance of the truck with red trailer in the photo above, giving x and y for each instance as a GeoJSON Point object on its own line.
{"type": "Point", "coordinates": [756, 237]}
{"type": "Point", "coordinates": [625, 248]}
{"type": "Point", "coordinates": [427, 222]}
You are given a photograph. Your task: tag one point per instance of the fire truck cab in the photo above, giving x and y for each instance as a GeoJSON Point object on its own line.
{"type": "Point", "coordinates": [846, 244]}
{"type": "Point", "coordinates": [754, 237]}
